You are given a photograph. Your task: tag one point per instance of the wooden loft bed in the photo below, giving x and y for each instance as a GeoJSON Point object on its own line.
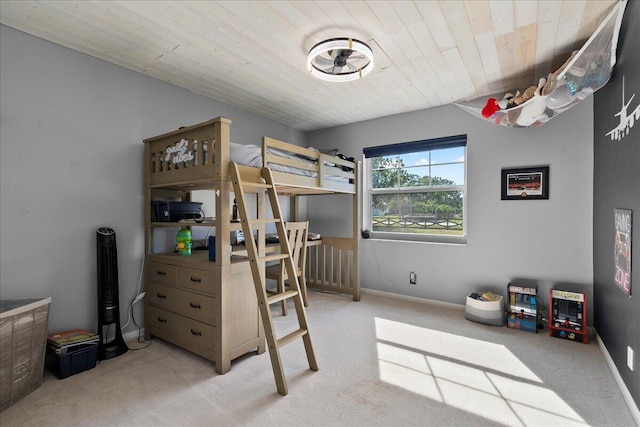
{"type": "Point", "coordinates": [297, 171]}
{"type": "Point", "coordinates": [210, 307]}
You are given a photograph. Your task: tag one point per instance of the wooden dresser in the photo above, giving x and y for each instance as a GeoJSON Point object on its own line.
{"type": "Point", "coordinates": [188, 304]}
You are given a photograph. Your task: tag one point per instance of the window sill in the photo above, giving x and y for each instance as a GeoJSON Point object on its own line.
{"type": "Point", "coordinates": [396, 237]}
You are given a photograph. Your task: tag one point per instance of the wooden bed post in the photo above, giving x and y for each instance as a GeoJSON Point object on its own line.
{"type": "Point", "coordinates": [294, 208]}
{"type": "Point", "coordinates": [222, 134]}
{"type": "Point", "coordinates": [357, 218]}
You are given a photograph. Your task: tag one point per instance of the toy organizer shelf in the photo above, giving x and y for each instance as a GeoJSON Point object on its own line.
{"type": "Point", "coordinates": [568, 315]}
{"type": "Point", "coordinates": [523, 308]}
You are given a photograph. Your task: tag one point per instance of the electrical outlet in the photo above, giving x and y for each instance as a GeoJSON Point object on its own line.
{"type": "Point", "coordinates": [630, 361]}
{"type": "Point", "coordinates": [413, 278]}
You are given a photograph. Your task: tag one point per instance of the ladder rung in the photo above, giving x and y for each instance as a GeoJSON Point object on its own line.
{"type": "Point", "coordinates": [264, 221]}
{"type": "Point", "coordinates": [241, 252]}
{"type": "Point", "coordinates": [291, 336]}
{"type": "Point", "coordinates": [281, 296]}
{"type": "Point", "coordinates": [249, 184]}
{"type": "Point", "coordinates": [275, 257]}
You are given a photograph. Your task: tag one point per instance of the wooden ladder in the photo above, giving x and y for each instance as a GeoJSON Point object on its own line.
{"type": "Point", "coordinates": [253, 180]}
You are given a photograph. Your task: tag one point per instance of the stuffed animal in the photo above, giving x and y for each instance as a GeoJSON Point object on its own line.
{"type": "Point", "coordinates": [504, 102]}
{"type": "Point", "coordinates": [490, 107]}
{"type": "Point", "coordinates": [527, 94]}
{"type": "Point", "coordinates": [552, 80]}
{"type": "Point", "coordinates": [533, 109]}
{"type": "Point", "coordinates": [494, 105]}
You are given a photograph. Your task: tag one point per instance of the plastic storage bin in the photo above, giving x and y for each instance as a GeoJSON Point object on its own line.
{"type": "Point", "coordinates": [23, 339]}
{"type": "Point", "coordinates": [76, 359]}
{"type": "Point", "coordinates": [487, 312]}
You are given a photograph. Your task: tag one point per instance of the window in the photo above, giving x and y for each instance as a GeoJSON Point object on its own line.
{"type": "Point", "coordinates": [416, 190]}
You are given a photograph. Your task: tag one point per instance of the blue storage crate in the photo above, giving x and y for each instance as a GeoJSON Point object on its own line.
{"type": "Point", "coordinates": [75, 360]}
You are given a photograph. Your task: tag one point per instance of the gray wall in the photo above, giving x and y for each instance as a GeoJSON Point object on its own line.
{"type": "Point", "coordinates": [543, 242]}
{"type": "Point", "coordinates": [71, 161]}
{"type": "Point", "coordinates": [616, 179]}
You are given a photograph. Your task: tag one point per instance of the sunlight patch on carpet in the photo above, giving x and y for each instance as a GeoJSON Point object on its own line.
{"type": "Point", "coordinates": [472, 375]}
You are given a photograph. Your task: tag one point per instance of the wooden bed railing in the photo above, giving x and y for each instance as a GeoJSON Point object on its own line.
{"type": "Point", "coordinates": [188, 155]}
{"type": "Point", "coordinates": [200, 153]}
{"type": "Point", "coordinates": [323, 168]}
{"type": "Point", "coordinates": [332, 265]}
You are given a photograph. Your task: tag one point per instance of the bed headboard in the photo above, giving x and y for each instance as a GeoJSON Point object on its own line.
{"type": "Point", "coordinates": [189, 155]}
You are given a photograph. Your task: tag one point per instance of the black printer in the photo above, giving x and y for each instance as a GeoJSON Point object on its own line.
{"type": "Point", "coordinates": [176, 211]}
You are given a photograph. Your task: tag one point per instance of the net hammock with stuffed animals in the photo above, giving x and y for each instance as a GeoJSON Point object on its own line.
{"type": "Point", "coordinates": [586, 71]}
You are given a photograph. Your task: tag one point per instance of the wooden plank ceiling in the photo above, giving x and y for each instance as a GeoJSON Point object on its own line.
{"type": "Point", "coordinates": [251, 54]}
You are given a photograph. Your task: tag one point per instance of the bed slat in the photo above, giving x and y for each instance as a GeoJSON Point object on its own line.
{"type": "Point", "coordinates": [331, 265]}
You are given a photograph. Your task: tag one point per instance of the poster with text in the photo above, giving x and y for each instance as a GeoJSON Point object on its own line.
{"type": "Point", "coordinates": [622, 250]}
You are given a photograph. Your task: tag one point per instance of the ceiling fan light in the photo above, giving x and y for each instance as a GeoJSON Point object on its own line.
{"type": "Point", "coordinates": [326, 48]}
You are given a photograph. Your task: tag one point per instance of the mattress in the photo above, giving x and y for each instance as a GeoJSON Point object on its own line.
{"type": "Point", "coordinates": [251, 155]}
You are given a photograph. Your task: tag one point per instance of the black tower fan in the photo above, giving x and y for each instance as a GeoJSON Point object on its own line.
{"type": "Point", "coordinates": [108, 298]}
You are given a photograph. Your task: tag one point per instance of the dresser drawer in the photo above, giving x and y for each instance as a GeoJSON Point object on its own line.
{"type": "Point", "coordinates": [185, 303]}
{"type": "Point", "coordinates": [197, 280]}
{"type": "Point", "coordinates": [175, 325]}
{"type": "Point", "coordinates": [159, 272]}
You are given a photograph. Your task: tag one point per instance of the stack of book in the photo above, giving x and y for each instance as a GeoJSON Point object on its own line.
{"type": "Point", "coordinates": [313, 236]}
{"type": "Point", "coordinates": [61, 342]}
{"type": "Point", "coordinates": [487, 296]}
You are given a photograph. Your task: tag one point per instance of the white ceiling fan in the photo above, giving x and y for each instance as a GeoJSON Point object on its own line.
{"type": "Point", "coordinates": [340, 60]}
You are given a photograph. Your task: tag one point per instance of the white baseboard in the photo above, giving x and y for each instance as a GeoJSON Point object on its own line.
{"type": "Point", "coordinates": [633, 408]}
{"type": "Point", "coordinates": [410, 298]}
{"type": "Point", "coordinates": [132, 335]}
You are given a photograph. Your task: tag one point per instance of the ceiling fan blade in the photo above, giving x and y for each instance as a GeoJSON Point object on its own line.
{"type": "Point", "coordinates": [321, 61]}
{"type": "Point", "coordinates": [333, 70]}
{"type": "Point", "coordinates": [333, 53]}
{"type": "Point", "coordinates": [352, 67]}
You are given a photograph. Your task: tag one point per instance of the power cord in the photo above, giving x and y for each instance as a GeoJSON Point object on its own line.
{"type": "Point", "coordinates": [139, 297]}
{"type": "Point", "coordinates": [140, 339]}
{"type": "Point", "coordinates": [206, 236]}
{"type": "Point", "coordinates": [543, 314]}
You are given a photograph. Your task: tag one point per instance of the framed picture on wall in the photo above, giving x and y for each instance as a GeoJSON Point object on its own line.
{"type": "Point", "coordinates": [622, 249]}
{"type": "Point", "coordinates": [530, 183]}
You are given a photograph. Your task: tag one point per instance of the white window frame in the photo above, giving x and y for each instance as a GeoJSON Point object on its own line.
{"type": "Point", "coordinates": [369, 192]}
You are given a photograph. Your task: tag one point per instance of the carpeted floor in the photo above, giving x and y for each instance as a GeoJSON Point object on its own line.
{"type": "Point", "coordinates": [383, 362]}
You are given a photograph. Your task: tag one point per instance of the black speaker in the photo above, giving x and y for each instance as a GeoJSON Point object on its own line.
{"type": "Point", "coordinates": [108, 297]}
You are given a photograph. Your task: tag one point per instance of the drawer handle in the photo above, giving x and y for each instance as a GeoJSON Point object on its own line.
{"type": "Point", "coordinates": [196, 333]}
{"type": "Point", "coordinates": [161, 296]}
{"type": "Point", "coordinates": [161, 320]}
{"type": "Point", "coordinates": [196, 279]}
{"type": "Point", "coordinates": [161, 273]}
{"type": "Point", "coordinates": [194, 305]}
